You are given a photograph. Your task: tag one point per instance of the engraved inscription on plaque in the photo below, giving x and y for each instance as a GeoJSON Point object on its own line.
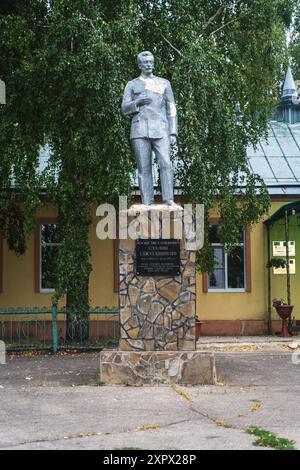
{"type": "Point", "coordinates": [157, 257]}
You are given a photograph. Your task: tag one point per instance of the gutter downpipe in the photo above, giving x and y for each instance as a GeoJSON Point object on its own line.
{"type": "Point", "coordinates": [269, 283]}
{"type": "Point", "coordinates": [288, 277]}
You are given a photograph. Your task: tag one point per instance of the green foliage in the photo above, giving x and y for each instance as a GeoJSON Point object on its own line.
{"type": "Point", "coordinates": [269, 439]}
{"type": "Point", "coordinates": [213, 67]}
{"type": "Point", "coordinates": [295, 43]}
{"type": "Point", "coordinates": [12, 223]}
{"type": "Point", "coordinates": [276, 263]}
{"type": "Point", "coordinates": [65, 64]}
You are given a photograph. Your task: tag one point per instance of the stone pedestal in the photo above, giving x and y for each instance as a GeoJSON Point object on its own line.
{"type": "Point", "coordinates": [157, 312]}
{"type": "Point", "coordinates": [157, 368]}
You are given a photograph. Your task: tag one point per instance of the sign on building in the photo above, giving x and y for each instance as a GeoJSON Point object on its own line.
{"type": "Point", "coordinates": [279, 248]}
{"type": "Point", "coordinates": [283, 270]}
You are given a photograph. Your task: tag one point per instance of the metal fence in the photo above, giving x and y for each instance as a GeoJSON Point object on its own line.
{"type": "Point", "coordinates": [53, 329]}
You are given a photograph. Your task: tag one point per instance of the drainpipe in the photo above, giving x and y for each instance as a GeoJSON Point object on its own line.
{"type": "Point", "coordinates": [287, 256]}
{"type": "Point", "coordinates": [288, 276]}
{"type": "Point", "coordinates": [269, 283]}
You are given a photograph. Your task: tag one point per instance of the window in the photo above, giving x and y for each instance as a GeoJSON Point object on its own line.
{"type": "Point", "coordinates": [46, 251]}
{"type": "Point", "coordinates": [230, 268]}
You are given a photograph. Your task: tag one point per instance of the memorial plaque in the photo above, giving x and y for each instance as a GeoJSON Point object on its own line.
{"type": "Point", "coordinates": [157, 257]}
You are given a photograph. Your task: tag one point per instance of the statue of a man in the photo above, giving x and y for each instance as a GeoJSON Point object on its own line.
{"type": "Point", "coordinates": [149, 100]}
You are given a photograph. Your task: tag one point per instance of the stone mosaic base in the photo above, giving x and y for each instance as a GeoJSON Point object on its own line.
{"type": "Point", "coordinates": [157, 367]}
{"type": "Point", "coordinates": [156, 312]}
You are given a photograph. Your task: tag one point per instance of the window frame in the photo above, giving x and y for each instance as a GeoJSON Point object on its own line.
{"type": "Point", "coordinates": [247, 266]}
{"type": "Point", "coordinates": [225, 254]}
{"type": "Point", "coordinates": [38, 254]}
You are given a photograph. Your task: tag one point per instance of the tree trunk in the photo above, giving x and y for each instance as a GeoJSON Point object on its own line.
{"type": "Point", "coordinates": [77, 322]}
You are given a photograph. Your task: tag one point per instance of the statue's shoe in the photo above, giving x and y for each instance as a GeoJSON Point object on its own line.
{"type": "Point", "coordinates": [172, 204]}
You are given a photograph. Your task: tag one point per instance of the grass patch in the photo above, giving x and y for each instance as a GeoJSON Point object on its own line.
{"type": "Point", "coordinates": [269, 439]}
{"type": "Point", "coordinates": [182, 393]}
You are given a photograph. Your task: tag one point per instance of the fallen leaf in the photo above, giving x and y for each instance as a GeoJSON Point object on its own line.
{"type": "Point", "coordinates": [256, 404]}
{"type": "Point", "coordinates": [144, 427]}
{"type": "Point", "coordinates": [222, 423]}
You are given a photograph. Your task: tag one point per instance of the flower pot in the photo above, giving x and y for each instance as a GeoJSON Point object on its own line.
{"type": "Point", "coordinates": [284, 311]}
{"type": "Point", "coordinates": [198, 329]}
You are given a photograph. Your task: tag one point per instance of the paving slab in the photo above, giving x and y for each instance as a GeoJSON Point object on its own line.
{"type": "Point", "coordinates": [108, 418]}
{"type": "Point", "coordinates": [45, 404]}
{"type": "Point", "coordinates": [246, 339]}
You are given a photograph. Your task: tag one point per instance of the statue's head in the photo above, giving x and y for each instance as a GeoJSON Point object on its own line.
{"type": "Point", "coordinates": [145, 62]}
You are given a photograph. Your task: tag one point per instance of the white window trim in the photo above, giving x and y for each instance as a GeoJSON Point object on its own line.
{"type": "Point", "coordinates": [238, 290]}
{"type": "Point", "coordinates": [44, 290]}
{"type": "Point", "coordinates": [230, 289]}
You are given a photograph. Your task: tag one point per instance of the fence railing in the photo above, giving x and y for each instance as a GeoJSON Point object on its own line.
{"type": "Point", "coordinates": [53, 329]}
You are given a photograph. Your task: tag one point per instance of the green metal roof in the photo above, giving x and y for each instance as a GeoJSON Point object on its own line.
{"type": "Point", "coordinates": [277, 159]}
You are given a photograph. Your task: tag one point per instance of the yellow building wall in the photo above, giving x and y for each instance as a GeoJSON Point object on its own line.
{"type": "Point", "coordinates": [250, 305]}
{"type": "Point", "coordinates": [102, 277]}
{"type": "Point", "coordinates": [18, 274]}
{"type": "Point", "coordinates": [238, 305]}
{"type": "Point", "coordinates": [18, 280]}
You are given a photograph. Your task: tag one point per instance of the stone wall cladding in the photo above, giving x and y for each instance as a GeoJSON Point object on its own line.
{"type": "Point", "coordinates": [157, 368]}
{"type": "Point", "coordinates": [156, 313]}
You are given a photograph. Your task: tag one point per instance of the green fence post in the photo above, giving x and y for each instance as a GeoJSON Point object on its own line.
{"type": "Point", "coordinates": [54, 328]}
